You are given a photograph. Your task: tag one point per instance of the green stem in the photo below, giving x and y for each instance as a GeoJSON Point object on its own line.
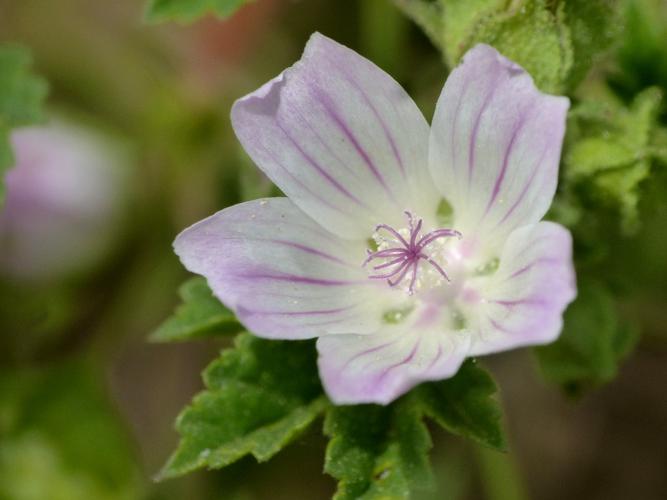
{"type": "Point", "coordinates": [501, 479]}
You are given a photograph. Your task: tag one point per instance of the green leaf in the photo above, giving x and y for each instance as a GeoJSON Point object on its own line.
{"type": "Point", "coordinates": [609, 151]}
{"type": "Point", "coordinates": [592, 344]}
{"type": "Point", "coordinates": [190, 10]}
{"type": "Point", "coordinates": [460, 21]}
{"type": "Point", "coordinates": [21, 97]}
{"type": "Point", "coordinates": [593, 25]}
{"type": "Point", "coordinates": [642, 54]}
{"type": "Point", "coordinates": [427, 14]}
{"type": "Point", "coordinates": [259, 396]}
{"type": "Point", "coordinates": [53, 423]}
{"type": "Point", "coordinates": [377, 452]}
{"type": "Point", "coordinates": [200, 315]}
{"type": "Point", "coordinates": [464, 405]}
{"type": "Point", "coordinates": [533, 35]}
{"type": "Point", "coordinates": [555, 41]}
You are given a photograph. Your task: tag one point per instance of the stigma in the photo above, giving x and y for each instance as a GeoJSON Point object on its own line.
{"type": "Point", "coordinates": [407, 259]}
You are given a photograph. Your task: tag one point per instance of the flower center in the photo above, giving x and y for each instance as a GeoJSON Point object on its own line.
{"type": "Point", "coordinates": [400, 252]}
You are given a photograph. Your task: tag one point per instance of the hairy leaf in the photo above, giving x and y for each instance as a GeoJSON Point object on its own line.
{"type": "Point", "coordinates": [190, 10]}
{"type": "Point", "coordinates": [377, 452]}
{"type": "Point", "coordinates": [593, 25]}
{"type": "Point", "coordinates": [200, 315]}
{"type": "Point", "coordinates": [461, 19]}
{"type": "Point", "coordinates": [592, 344]}
{"type": "Point", "coordinates": [534, 36]}
{"type": "Point", "coordinates": [259, 396]}
{"type": "Point", "coordinates": [610, 151]}
{"type": "Point", "coordinates": [464, 405]}
{"type": "Point", "coordinates": [21, 97]}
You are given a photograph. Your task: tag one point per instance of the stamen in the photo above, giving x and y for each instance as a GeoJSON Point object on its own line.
{"type": "Point", "coordinates": [404, 258]}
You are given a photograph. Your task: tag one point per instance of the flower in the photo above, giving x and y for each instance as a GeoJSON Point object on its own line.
{"type": "Point", "coordinates": [66, 195]}
{"type": "Point", "coordinates": [404, 250]}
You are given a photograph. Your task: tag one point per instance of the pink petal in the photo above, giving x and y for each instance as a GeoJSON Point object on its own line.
{"type": "Point", "coordinates": [525, 299]}
{"type": "Point", "coordinates": [380, 367]}
{"type": "Point", "coordinates": [283, 275]}
{"type": "Point", "coordinates": [341, 138]}
{"type": "Point", "coordinates": [495, 146]}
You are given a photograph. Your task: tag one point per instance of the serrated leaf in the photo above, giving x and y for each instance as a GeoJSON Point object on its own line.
{"type": "Point", "coordinates": [189, 10]}
{"type": "Point", "coordinates": [592, 344]}
{"type": "Point", "coordinates": [465, 405]}
{"type": "Point", "coordinates": [21, 97]}
{"type": "Point", "coordinates": [259, 396]}
{"type": "Point", "coordinates": [200, 315]}
{"type": "Point", "coordinates": [377, 452]}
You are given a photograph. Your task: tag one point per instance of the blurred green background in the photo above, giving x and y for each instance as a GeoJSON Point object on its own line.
{"type": "Point", "coordinates": [87, 404]}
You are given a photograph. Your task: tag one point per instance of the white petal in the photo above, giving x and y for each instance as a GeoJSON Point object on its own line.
{"type": "Point", "coordinates": [523, 302]}
{"type": "Point", "coordinates": [341, 138]}
{"type": "Point", "coordinates": [380, 367]}
{"type": "Point", "coordinates": [283, 275]}
{"type": "Point", "coordinates": [495, 146]}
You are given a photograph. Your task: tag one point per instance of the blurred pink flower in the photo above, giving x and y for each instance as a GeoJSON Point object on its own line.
{"type": "Point", "coordinates": [63, 201]}
{"type": "Point", "coordinates": [398, 285]}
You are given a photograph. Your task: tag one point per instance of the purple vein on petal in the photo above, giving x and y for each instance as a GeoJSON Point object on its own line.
{"type": "Point", "coordinates": [506, 157]}
{"type": "Point", "coordinates": [324, 143]}
{"type": "Point", "coordinates": [525, 189]}
{"type": "Point", "coordinates": [436, 358]}
{"type": "Point", "coordinates": [317, 312]}
{"type": "Point", "coordinates": [543, 260]}
{"type": "Point", "coordinates": [520, 302]}
{"type": "Point", "coordinates": [388, 135]}
{"type": "Point", "coordinates": [299, 279]}
{"type": "Point", "coordinates": [366, 352]}
{"type": "Point", "coordinates": [404, 361]}
{"type": "Point", "coordinates": [302, 184]}
{"type": "Point", "coordinates": [318, 168]}
{"type": "Point", "coordinates": [475, 130]}
{"type": "Point", "coordinates": [325, 100]}
{"type": "Point", "coordinates": [313, 251]}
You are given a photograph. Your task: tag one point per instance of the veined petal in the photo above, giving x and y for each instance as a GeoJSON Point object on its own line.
{"type": "Point", "coordinates": [282, 273]}
{"type": "Point", "coordinates": [341, 138]}
{"type": "Point", "coordinates": [523, 302]}
{"type": "Point", "coordinates": [380, 367]}
{"type": "Point", "coordinates": [495, 146]}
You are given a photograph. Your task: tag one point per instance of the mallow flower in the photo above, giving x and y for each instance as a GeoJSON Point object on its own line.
{"type": "Point", "coordinates": [65, 201]}
{"type": "Point", "coordinates": [404, 249]}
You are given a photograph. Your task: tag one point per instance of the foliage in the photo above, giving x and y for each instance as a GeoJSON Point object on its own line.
{"type": "Point", "coordinates": [377, 451]}
{"type": "Point", "coordinates": [42, 455]}
{"type": "Point", "coordinates": [555, 41]}
{"type": "Point", "coordinates": [200, 315]}
{"type": "Point", "coordinates": [21, 96]}
{"type": "Point", "coordinates": [464, 405]}
{"type": "Point", "coordinates": [253, 402]}
{"type": "Point", "coordinates": [261, 394]}
{"type": "Point", "coordinates": [593, 342]}
{"type": "Point", "coordinates": [190, 10]}
{"type": "Point", "coordinates": [610, 151]}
